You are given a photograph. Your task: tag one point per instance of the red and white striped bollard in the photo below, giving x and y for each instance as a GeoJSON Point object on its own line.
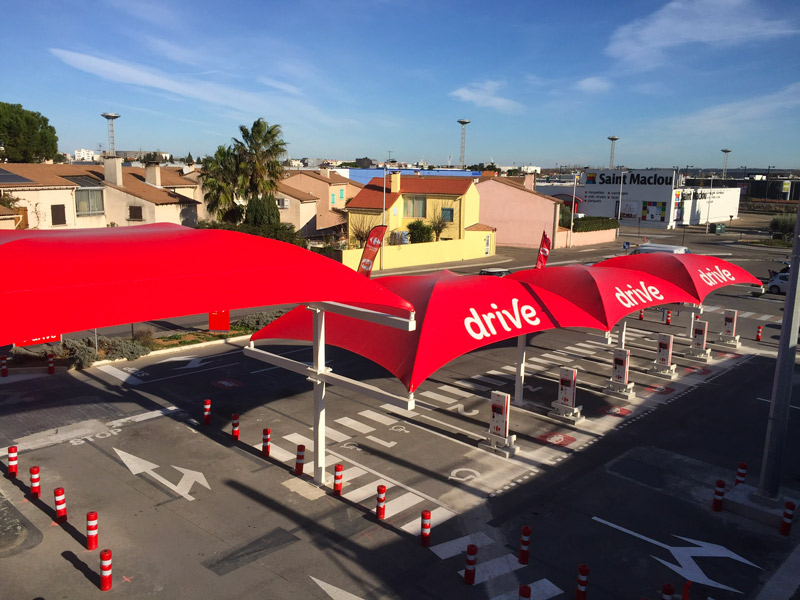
{"type": "Point", "coordinates": [105, 570]}
{"type": "Point", "coordinates": [472, 559]}
{"type": "Point", "coordinates": [12, 461]}
{"type": "Point", "coordinates": [788, 515]}
{"type": "Point", "coordinates": [266, 442]}
{"type": "Point", "coordinates": [380, 506]}
{"type": "Point", "coordinates": [669, 317]}
{"type": "Point", "coordinates": [687, 590]}
{"type": "Point", "coordinates": [235, 426]}
{"type": "Point", "coordinates": [338, 475]}
{"type": "Point", "coordinates": [583, 582]}
{"type": "Point", "coordinates": [719, 494]}
{"type": "Point", "coordinates": [425, 529]}
{"type": "Point", "coordinates": [36, 490]}
{"type": "Point", "coordinates": [3, 366]}
{"type": "Point", "coordinates": [51, 363]}
{"type": "Point", "coordinates": [207, 412]}
{"type": "Point", "coordinates": [741, 473]}
{"type": "Point", "coordinates": [524, 592]}
{"type": "Point", "coordinates": [641, 314]}
{"type": "Point", "coordinates": [667, 591]}
{"type": "Point", "coordinates": [91, 530]}
{"type": "Point", "coordinates": [301, 459]}
{"type": "Point", "coordinates": [758, 335]}
{"type": "Point", "coordinates": [61, 505]}
{"type": "Point", "coordinates": [524, 545]}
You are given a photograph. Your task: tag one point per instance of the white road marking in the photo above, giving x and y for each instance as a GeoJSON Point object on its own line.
{"type": "Point", "coordinates": [356, 425]}
{"type": "Point", "coordinates": [579, 350]}
{"type": "Point", "coordinates": [439, 515]}
{"type": "Point", "coordinates": [768, 401]}
{"type": "Point", "coordinates": [336, 436]}
{"type": "Point", "coordinates": [396, 410]}
{"type": "Point", "coordinates": [398, 505]}
{"type": "Point", "coordinates": [381, 442]}
{"type": "Point", "coordinates": [351, 473]}
{"type": "Point", "coordinates": [298, 439]}
{"type": "Point", "coordinates": [377, 417]}
{"type": "Point", "coordinates": [455, 391]}
{"type": "Point", "coordinates": [141, 417]}
{"type": "Point", "coordinates": [334, 592]}
{"type": "Point", "coordinates": [496, 567]}
{"type": "Point", "coordinates": [121, 375]}
{"type": "Point", "coordinates": [559, 357]}
{"type": "Point", "coordinates": [544, 589]}
{"type": "Point", "coordinates": [745, 315]}
{"type": "Point", "coordinates": [710, 308]}
{"type": "Point", "coordinates": [459, 545]}
{"type": "Point", "coordinates": [471, 385]}
{"type": "Point", "coordinates": [438, 397]}
{"type": "Point", "coordinates": [764, 318]}
{"type": "Point", "coordinates": [365, 491]}
{"type": "Point", "coordinates": [489, 380]}
{"type": "Point", "coordinates": [278, 453]}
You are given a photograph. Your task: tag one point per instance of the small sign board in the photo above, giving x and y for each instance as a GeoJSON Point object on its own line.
{"type": "Point", "coordinates": [699, 335]}
{"type": "Point", "coordinates": [621, 362]}
{"type": "Point", "coordinates": [626, 245]}
{"type": "Point", "coordinates": [566, 387]}
{"type": "Point", "coordinates": [665, 349]}
{"type": "Point", "coordinates": [498, 420]}
{"type": "Point", "coordinates": [729, 327]}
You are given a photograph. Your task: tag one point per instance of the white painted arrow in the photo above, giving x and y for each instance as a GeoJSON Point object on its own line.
{"type": "Point", "coordinates": [460, 408]}
{"type": "Point", "coordinates": [334, 592]}
{"type": "Point", "coordinates": [176, 359]}
{"type": "Point", "coordinates": [138, 465]}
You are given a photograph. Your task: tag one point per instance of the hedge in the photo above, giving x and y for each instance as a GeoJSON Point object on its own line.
{"type": "Point", "coordinates": [595, 224]}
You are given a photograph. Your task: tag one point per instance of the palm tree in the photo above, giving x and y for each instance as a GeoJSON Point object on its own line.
{"type": "Point", "coordinates": [221, 183]}
{"type": "Point", "coordinates": [260, 155]}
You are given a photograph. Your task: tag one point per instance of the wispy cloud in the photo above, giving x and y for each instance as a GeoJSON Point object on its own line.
{"type": "Point", "coordinates": [484, 94]}
{"type": "Point", "coordinates": [644, 44]}
{"type": "Point", "coordinates": [154, 12]}
{"type": "Point", "coordinates": [174, 52]}
{"type": "Point", "coordinates": [205, 91]}
{"type": "Point", "coordinates": [280, 86]}
{"type": "Point", "coordinates": [739, 116]}
{"type": "Point", "coordinates": [593, 85]}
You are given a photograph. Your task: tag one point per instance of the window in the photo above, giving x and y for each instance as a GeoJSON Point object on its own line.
{"type": "Point", "coordinates": [447, 215]}
{"type": "Point", "coordinates": [341, 194]}
{"type": "Point", "coordinates": [283, 202]}
{"type": "Point", "coordinates": [415, 207]}
{"type": "Point", "coordinates": [59, 214]}
{"type": "Point", "coordinates": [88, 202]}
{"type": "Point", "coordinates": [135, 213]}
{"type": "Point", "coordinates": [333, 197]}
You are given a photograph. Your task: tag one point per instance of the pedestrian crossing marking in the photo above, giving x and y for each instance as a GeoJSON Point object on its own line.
{"type": "Point", "coordinates": [439, 515]}
{"type": "Point", "coordinates": [336, 436]}
{"type": "Point", "coordinates": [489, 380]}
{"type": "Point", "coordinates": [438, 397]}
{"type": "Point", "coordinates": [459, 545]}
{"type": "Point", "coordinates": [544, 589]}
{"type": "Point", "coordinates": [471, 385]}
{"type": "Point", "coordinates": [363, 492]}
{"type": "Point", "coordinates": [577, 350]}
{"type": "Point", "coordinates": [398, 411]}
{"type": "Point", "coordinates": [455, 391]}
{"type": "Point", "coordinates": [745, 315]}
{"type": "Point", "coordinates": [298, 439]}
{"type": "Point", "coordinates": [764, 318]}
{"type": "Point", "coordinates": [278, 453]}
{"type": "Point", "coordinates": [355, 425]}
{"type": "Point", "coordinates": [398, 505]}
{"type": "Point", "coordinates": [496, 567]}
{"type": "Point", "coordinates": [559, 357]}
{"type": "Point", "coordinates": [377, 417]}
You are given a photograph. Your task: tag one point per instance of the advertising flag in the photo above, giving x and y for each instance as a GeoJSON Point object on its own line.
{"type": "Point", "coordinates": [371, 248]}
{"type": "Point", "coordinates": [544, 251]}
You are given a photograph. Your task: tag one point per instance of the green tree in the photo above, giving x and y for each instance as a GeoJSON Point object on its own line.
{"type": "Point", "coordinates": [260, 155]}
{"type": "Point", "coordinates": [220, 185]}
{"type": "Point", "coordinates": [419, 232]}
{"type": "Point", "coordinates": [189, 160]}
{"type": "Point", "coordinates": [437, 222]}
{"type": "Point", "coordinates": [26, 136]}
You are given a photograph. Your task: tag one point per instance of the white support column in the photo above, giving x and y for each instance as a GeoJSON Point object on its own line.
{"type": "Point", "coordinates": [623, 328]}
{"type": "Point", "coordinates": [519, 386]}
{"type": "Point", "coordinates": [319, 397]}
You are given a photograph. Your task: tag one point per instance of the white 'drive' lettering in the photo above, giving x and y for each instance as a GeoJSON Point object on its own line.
{"type": "Point", "coordinates": [481, 326]}
{"type": "Point", "coordinates": [642, 294]}
{"type": "Point", "coordinates": [715, 276]}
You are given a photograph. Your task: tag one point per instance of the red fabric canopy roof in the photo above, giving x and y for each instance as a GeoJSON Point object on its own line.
{"type": "Point", "coordinates": [697, 274]}
{"type": "Point", "coordinates": [455, 314]}
{"type": "Point", "coordinates": [56, 282]}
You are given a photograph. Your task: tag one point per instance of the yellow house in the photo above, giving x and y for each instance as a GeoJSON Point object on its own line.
{"type": "Point", "coordinates": [407, 198]}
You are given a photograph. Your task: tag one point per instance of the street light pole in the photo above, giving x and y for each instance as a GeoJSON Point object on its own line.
{"type": "Point", "coordinates": [383, 212]}
{"type": "Point", "coordinates": [619, 203]}
{"type": "Point", "coordinates": [574, 205]}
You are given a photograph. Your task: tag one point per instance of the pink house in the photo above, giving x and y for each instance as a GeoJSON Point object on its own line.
{"type": "Point", "coordinates": [519, 214]}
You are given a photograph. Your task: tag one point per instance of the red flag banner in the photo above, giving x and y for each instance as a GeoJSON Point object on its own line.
{"type": "Point", "coordinates": [371, 248]}
{"type": "Point", "coordinates": [544, 251]}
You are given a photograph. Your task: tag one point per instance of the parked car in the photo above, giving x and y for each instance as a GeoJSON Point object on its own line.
{"type": "Point", "coordinates": [650, 248]}
{"type": "Point", "coordinates": [495, 271]}
{"type": "Point", "coordinates": [779, 284]}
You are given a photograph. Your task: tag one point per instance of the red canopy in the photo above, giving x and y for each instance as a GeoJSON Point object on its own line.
{"type": "Point", "coordinates": [455, 314]}
{"type": "Point", "coordinates": [56, 282]}
{"type": "Point", "coordinates": [697, 274]}
{"type": "Point", "coordinates": [607, 294]}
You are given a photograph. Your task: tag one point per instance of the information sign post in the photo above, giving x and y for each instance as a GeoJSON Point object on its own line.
{"type": "Point", "coordinates": [728, 336]}
{"type": "Point", "coordinates": [618, 384]}
{"type": "Point", "coordinates": [564, 408]}
{"type": "Point", "coordinates": [698, 348]}
{"type": "Point", "coordinates": [663, 364]}
{"type": "Point", "coordinates": [498, 439]}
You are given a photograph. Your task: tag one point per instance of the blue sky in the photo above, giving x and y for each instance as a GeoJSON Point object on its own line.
{"type": "Point", "coordinates": [543, 82]}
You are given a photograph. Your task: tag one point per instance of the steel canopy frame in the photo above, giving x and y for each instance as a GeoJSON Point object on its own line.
{"type": "Point", "coordinates": [319, 374]}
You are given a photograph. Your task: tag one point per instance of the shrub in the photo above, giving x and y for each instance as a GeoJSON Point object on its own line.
{"type": "Point", "coordinates": [79, 354]}
{"type": "Point", "coordinates": [116, 348]}
{"type": "Point", "coordinates": [257, 321]}
{"type": "Point", "coordinates": [284, 232]}
{"type": "Point", "coordinates": [419, 232]}
{"type": "Point", "coordinates": [144, 337]}
{"type": "Point", "coordinates": [783, 224]}
{"type": "Point", "coordinates": [595, 224]}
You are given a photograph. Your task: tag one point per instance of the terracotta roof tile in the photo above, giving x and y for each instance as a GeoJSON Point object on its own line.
{"type": "Point", "coordinates": [6, 212]}
{"type": "Point", "coordinates": [371, 196]}
{"type": "Point", "coordinates": [297, 194]}
{"type": "Point", "coordinates": [480, 227]}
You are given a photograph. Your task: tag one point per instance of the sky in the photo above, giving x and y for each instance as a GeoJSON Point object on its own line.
{"type": "Point", "coordinates": [543, 83]}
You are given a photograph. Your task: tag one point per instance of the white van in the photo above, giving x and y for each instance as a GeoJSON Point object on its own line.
{"type": "Point", "coordinates": [650, 248]}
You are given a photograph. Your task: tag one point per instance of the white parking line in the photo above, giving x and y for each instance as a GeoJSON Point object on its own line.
{"type": "Point", "coordinates": [764, 318]}
{"type": "Point", "coordinates": [455, 391]}
{"type": "Point", "coordinates": [356, 425]}
{"type": "Point", "coordinates": [471, 385]}
{"type": "Point", "coordinates": [745, 315]}
{"type": "Point", "coordinates": [381, 442]}
{"type": "Point", "coordinates": [438, 397]}
{"type": "Point", "coordinates": [398, 505]}
{"type": "Point", "coordinates": [336, 436]}
{"type": "Point", "coordinates": [484, 571]}
{"type": "Point", "coordinates": [377, 417]}
{"type": "Point", "coordinates": [489, 380]}
{"type": "Point", "coordinates": [363, 492]}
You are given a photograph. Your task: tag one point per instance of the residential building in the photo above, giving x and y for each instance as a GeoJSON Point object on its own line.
{"type": "Point", "coordinates": [297, 208]}
{"type": "Point", "coordinates": [84, 155]}
{"type": "Point", "coordinates": [8, 218]}
{"type": "Point", "coordinates": [85, 196]}
{"type": "Point", "coordinates": [519, 214]}
{"type": "Point", "coordinates": [333, 192]}
{"type": "Point", "coordinates": [406, 198]}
